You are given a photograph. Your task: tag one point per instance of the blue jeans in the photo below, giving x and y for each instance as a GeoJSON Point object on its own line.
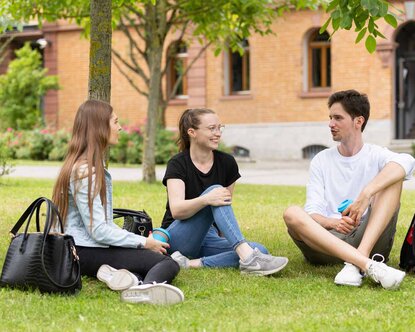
{"type": "Point", "coordinates": [195, 237]}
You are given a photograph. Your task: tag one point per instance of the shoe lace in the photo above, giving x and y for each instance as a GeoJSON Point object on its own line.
{"type": "Point", "coordinates": [381, 256]}
{"type": "Point", "coordinates": [156, 283]}
{"type": "Point", "coordinates": [376, 270]}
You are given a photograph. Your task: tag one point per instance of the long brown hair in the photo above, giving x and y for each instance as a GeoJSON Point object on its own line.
{"type": "Point", "coordinates": [90, 135]}
{"type": "Point", "coordinates": [190, 119]}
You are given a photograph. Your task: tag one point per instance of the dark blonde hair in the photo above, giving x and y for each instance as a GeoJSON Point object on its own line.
{"type": "Point", "coordinates": [190, 119]}
{"type": "Point", "coordinates": [87, 147]}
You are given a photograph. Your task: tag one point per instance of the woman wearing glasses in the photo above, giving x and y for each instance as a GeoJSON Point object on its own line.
{"type": "Point", "coordinates": [200, 180]}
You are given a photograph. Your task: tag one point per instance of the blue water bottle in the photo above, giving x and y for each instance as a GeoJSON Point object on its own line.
{"type": "Point", "coordinates": [161, 235]}
{"type": "Point", "coordinates": [343, 205]}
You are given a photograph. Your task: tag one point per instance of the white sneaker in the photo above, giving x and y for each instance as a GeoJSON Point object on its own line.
{"type": "Point", "coordinates": [180, 259]}
{"type": "Point", "coordinates": [116, 279]}
{"type": "Point", "coordinates": [349, 275]}
{"type": "Point", "coordinates": [387, 276]}
{"type": "Point", "coordinates": [157, 293]}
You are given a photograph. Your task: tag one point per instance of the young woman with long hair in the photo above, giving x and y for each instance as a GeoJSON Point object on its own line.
{"type": "Point", "coordinates": [200, 182]}
{"type": "Point", "coordinates": [83, 193]}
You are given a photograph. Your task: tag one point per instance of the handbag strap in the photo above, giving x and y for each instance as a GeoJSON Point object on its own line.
{"type": "Point", "coordinates": [118, 213]}
{"type": "Point", "coordinates": [28, 214]}
{"type": "Point", "coordinates": [52, 211]}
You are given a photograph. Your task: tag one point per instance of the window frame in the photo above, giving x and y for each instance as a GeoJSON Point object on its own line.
{"type": "Point", "coordinates": [325, 47]}
{"type": "Point", "coordinates": [246, 77]}
{"type": "Point", "coordinates": [171, 77]}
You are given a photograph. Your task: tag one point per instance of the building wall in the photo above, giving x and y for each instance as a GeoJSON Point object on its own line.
{"type": "Point", "coordinates": [277, 118]}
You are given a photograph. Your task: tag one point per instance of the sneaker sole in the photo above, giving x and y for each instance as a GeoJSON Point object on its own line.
{"type": "Point", "coordinates": [397, 283]}
{"type": "Point", "coordinates": [264, 273]}
{"type": "Point", "coordinates": [347, 283]}
{"type": "Point", "coordinates": [115, 280]}
{"type": "Point", "coordinates": [161, 294]}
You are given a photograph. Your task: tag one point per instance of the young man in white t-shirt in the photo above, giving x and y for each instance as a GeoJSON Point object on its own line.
{"type": "Point", "coordinates": [368, 175]}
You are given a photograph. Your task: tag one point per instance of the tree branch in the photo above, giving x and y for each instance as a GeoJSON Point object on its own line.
{"type": "Point", "coordinates": [136, 70]}
{"type": "Point", "coordinates": [131, 40]}
{"type": "Point", "coordinates": [136, 88]}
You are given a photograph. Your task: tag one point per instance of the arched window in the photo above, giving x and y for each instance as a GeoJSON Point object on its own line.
{"type": "Point", "coordinates": [311, 150]}
{"type": "Point", "coordinates": [177, 62]}
{"type": "Point", "coordinates": [319, 60]}
{"type": "Point", "coordinates": [237, 76]}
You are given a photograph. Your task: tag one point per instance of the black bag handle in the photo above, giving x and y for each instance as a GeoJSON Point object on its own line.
{"type": "Point", "coordinates": [118, 213]}
{"type": "Point", "coordinates": [29, 212]}
{"type": "Point", "coordinates": [27, 215]}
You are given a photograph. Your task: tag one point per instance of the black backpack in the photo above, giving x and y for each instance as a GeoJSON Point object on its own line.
{"type": "Point", "coordinates": [407, 261]}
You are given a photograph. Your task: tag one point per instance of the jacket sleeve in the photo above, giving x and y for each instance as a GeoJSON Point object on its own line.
{"type": "Point", "coordinates": [102, 231]}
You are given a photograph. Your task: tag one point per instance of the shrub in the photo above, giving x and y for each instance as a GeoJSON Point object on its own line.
{"type": "Point", "coordinates": [165, 146]}
{"type": "Point", "coordinates": [60, 145]}
{"type": "Point", "coordinates": [5, 166]}
{"type": "Point", "coordinates": [41, 144]}
{"type": "Point", "coordinates": [22, 88]}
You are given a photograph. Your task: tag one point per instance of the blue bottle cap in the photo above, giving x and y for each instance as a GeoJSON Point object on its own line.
{"type": "Point", "coordinates": [159, 237]}
{"type": "Point", "coordinates": [343, 205]}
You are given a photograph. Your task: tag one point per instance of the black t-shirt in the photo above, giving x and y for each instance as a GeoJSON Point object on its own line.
{"type": "Point", "coordinates": [224, 171]}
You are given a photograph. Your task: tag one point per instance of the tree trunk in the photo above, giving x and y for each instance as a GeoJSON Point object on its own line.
{"type": "Point", "coordinates": [156, 34]}
{"type": "Point", "coordinates": [150, 133]}
{"type": "Point", "coordinates": [99, 85]}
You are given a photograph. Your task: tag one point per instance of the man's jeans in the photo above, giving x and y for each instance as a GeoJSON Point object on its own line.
{"type": "Point", "coordinates": [196, 237]}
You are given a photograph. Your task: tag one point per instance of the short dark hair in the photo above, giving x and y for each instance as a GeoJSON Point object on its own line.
{"type": "Point", "coordinates": [354, 103]}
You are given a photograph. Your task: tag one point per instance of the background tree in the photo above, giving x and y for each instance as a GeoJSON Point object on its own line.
{"type": "Point", "coordinates": [220, 23]}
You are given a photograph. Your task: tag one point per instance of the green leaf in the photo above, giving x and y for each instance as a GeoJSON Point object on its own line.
{"type": "Point", "coordinates": [379, 34]}
{"type": "Point", "coordinates": [336, 14]}
{"type": "Point", "coordinates": [325, 25]}
{"type": "Point", "coordinates": [333, 4]}
{"type": "Point", "coordinates": [365, 4]}
{"type": "Point", "coordinates": [335, 24]}
{"type": "Point", "coordinates": [383, 8]}
{"type": "Point", "coordinates": [361, 35]}
{"type": "Point", "coordinates": [371, 25]}
{"type": "Point", "coordinates": [370, 44]}
{"type": "Point", "coordinates": [346, 22]}
{"type": "Point", "coordinates": [391, 20]}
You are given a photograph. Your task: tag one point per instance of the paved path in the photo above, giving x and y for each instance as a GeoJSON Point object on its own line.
{"type": "Point", "coordinates": [293, 173]}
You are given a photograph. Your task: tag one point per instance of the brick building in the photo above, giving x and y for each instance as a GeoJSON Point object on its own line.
{"type": "Point", "coordinates": [273, 98]}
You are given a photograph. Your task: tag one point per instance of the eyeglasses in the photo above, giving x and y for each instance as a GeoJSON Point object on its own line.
{"type": "Point", "coordinates": [214, 129]}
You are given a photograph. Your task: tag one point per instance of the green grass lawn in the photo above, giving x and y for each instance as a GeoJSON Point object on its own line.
{"type": "Point", "coordinates": [301, 297]}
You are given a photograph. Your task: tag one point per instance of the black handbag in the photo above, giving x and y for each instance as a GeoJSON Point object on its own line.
{"type": "Point", "coordinates": [138, 222]}
{"type": "Point", "coordinates": [407, 259]}
{"type": "Point", "coordinates": [42, 260]}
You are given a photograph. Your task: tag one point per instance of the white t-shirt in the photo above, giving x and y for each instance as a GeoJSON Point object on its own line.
{"type": "Point", "coordinates": [334, 178]}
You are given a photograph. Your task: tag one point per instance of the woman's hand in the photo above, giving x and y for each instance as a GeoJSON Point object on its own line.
{"type": "Point", "coordinates": [155, 245]}
{"type": "Point", "coordinates": [218, 197]}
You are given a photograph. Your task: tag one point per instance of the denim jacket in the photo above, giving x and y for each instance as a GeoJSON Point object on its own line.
{"type": "Point", "coordinates": [103, 233]}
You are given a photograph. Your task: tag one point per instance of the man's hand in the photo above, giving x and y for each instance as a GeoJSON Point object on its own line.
{"type": "Point", "coordinates": [345, 225]}
{"type": "Point", "coordinates": [357, 208]}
